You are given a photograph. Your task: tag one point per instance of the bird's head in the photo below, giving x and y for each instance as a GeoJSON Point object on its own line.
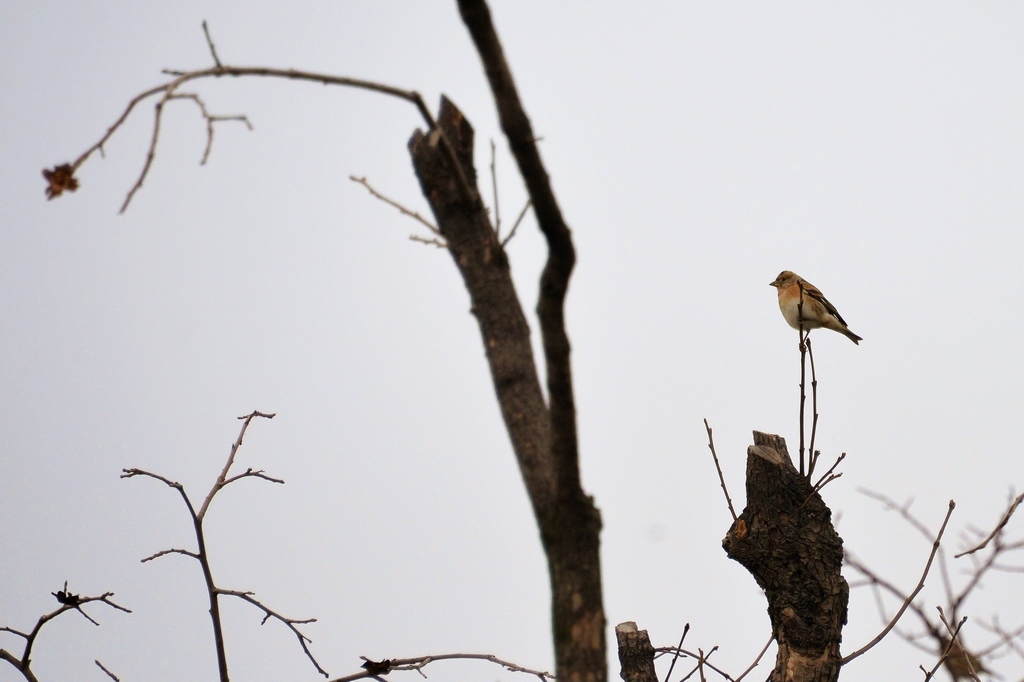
{"type": "Point", "coordinates": [785, 279]}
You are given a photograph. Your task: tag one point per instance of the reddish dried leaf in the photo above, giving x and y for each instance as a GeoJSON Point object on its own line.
{"type": "Point", "coordinates": [60, 179]}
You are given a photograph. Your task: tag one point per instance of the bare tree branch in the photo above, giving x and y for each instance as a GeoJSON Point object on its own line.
{"type": "Point", "coordinates": [515, 225]}
{"type": "Point", "coordinates": [958, 661]}
{"type": "Point", "coordinates": [214, 592]}
{"type": "Point", "coordinates": [699, 656]}
{"type": "Point", "coordinates": [209, 43]}
{"type": "Point", "coordinates": [222, 480]}
{"type": "Point", "coordinates": [1014, 503]}
{"type": "Point", "coordinates": [902, 509]}
{"type": "Point", "coordinates": [404, 211]}
{"type": "Point", "coordinates": [61, 177]}
{"type": "Point", "coordinates": [69, 602]}
{"type": "Point", "coordinates": [910, 598]}
{"type": "Point", "coordinates": [165, 552]}
{"type": "Point", "coordinates": [675, 657]}
{"type": "Point", "coordinates": [494, 193]}
{"type": "Point", "coordinates": [718, 467]}
{"type": "Point", "coordinates": [929, 674]}
{"type": "Point", "coordinates": [290, 623]}
{"type": "Point", "coordinates": [430, 241]}
{"type": "Point", "coordinates": [210, 120]}
{"type": "Point", "coordinates": [104, 669]}
{"type": "Point", "coordinates": [374, 669]}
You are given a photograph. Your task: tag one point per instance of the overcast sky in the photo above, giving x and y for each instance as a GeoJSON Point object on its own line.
{"type": "Point", "coordinates": [697, 149]}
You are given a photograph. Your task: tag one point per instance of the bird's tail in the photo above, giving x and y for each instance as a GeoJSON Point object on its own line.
{"type": "Point", "coordinates": [853, 337]}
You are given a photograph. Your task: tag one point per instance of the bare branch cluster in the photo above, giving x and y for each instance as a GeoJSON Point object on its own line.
{"type": "Point", "coordinates": [374, 669]}
{"type": "Point", "coordinates": [989, 552]}
{"type": "Point", "coordinates": [61, 178]}
{"type": "Point", "coordinates": [69, 601]}
{"type": "Point", "coordinates": [544, 435]}
{"type": "Point", "coordinates": [635, 643]}
{"type": "Point", "coordinates": [200, 554]}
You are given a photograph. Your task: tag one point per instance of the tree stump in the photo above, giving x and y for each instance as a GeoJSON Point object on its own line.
{"type": "Point", "coordinates": [786, 539]}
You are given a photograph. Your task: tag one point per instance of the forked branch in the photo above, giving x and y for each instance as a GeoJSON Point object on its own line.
{"type": "Point", "coordinates": [61, 178]}
{"type": "Point", "coordinates": [201, 555]}
{"type": "Point", "coordinates": [69, 602]}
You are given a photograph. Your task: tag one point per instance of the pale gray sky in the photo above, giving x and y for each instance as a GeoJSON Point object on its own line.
{"type": "Point", "coordinates": [697, 149]}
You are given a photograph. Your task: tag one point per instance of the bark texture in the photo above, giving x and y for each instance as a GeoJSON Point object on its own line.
{"type": "Point", "coordinates": [543, 436]}
{"type": "Point", "coordinates": [786, 539]}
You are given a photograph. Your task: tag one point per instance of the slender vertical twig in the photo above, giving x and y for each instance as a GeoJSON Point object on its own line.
{"type": "Point", "coordinates": [494, 193]}
{"type": "Point", "coordinates": [718, 467]}
{"type": "Point", "coordinates": [209, 43]}
{"type": "Point", "coordinates": [803, 369]}
{"type": "Point", "coordinates": [675, 656]}
{"type": "Point", "coordinates": [812, 454]}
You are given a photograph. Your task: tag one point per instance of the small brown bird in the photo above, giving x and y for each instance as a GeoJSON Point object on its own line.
{"type": "Point", "coordinates": [956, 661]}
{"type": "Point", "coordinates": [817, 312]}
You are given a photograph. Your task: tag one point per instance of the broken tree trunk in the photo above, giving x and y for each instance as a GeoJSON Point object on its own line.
{"type": "Point", "coordinates": [543, 434]}
{"type": "Point", "coordinates": [786, 539]}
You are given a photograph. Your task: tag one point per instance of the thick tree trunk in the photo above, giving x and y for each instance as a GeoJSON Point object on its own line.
{"type": "Point", "coordinates": [543, 437]}
{"type": "Point", "coordinates": [786, 540]}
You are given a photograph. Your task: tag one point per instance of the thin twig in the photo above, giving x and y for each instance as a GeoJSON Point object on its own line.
{"type": "Point", "coordinates": [210, 120]}
{"type": "Point", "coordinates": [374, 669]}
{"type": "Point", "coordinates": [209, 43]}
{"type": "Point", "coordinates": [699, 656]}
{"type": "Point", "coordinates": [803, 368]}
{"type": "Point", "coordinates": [976, 577]}
{"type": "Point", "coordinates": [812, 454]}
{"type": "Point", "coordinates": [1015, 502]}
{"type": "Point", "coordinates": [944, 654]}
{"type": "Point", "coordinates": [494, 192]}
{"type": "Point", "coordinates": [904, 511]}
{"type": "Point", "coordinates": [672, 665]}
{"type": "Point", "coordinates": [401, 209]}
{"type": "Point", "coordinates": [250, 473]}
{"type": "Point", "coordinates": [1006, 638]}
{"type": "Point", "coordinates": [109, 674]}
{"type": "Point", "coordinates": [825, 479]}
{"type": "Point", "coordinates": [290, 623]}
{"type": "Point", "coordinates": [165, 552]}
{"type": "Point", "coordinates": [515, 225]}
{"type": "Point", "coordinates": [957, 649]}
{"type": "Point", "coordinates": [430, 241]}
{"type": "Point", "coordinates": [910, 598]}
{"type": "Point", "coordinates": [721, 477]}
{"type": "Point", "coordinates": [223, 480]}
{"type": "Point", "coordinates": [131, 473]}
{"type": "Point", "coordinates": [878, 581]}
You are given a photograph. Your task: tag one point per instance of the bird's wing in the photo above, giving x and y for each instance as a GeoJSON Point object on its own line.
{"type": "Point", "coordinates": [811, 291]}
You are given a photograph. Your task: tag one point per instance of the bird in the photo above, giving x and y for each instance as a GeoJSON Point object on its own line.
{"type": "Point", "coordinates": [815, 313]}
{"type": "Point", "coordinates": [956, 657]}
